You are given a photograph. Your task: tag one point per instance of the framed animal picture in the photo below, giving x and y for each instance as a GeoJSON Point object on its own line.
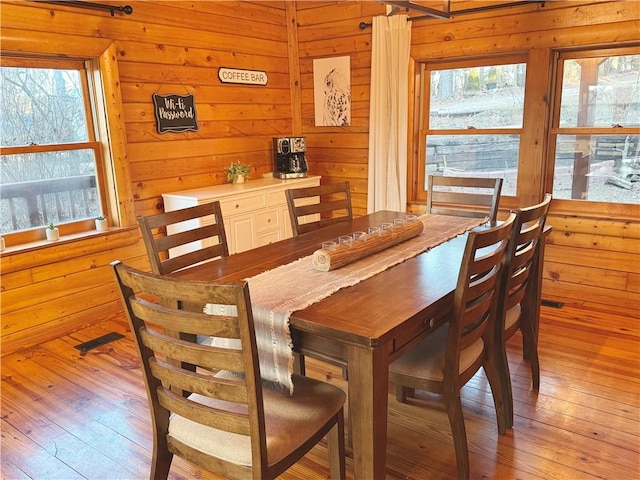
{"type": "Point", "coordinates": [332, 91]}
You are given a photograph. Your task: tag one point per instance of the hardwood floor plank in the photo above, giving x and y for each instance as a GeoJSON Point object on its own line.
{"type": "Point", "coordinates": [587, 424]}
{"type": "Point", "coordinates": [10, 471]}
{"type": "Point", "coordinates": [76, 452]}
{"type": "Point", "coordinates": [67, 415]}
{"type": "Point", "coordinates": [41, 414]}
{"type": "Point", "coordinates": [33, 460]}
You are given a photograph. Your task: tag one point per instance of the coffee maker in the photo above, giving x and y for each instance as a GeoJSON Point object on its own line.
{"type": "Point", "coordinates": [290, 161]}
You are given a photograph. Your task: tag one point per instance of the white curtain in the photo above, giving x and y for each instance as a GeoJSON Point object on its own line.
{"type": "Point", "coordinates": [388, 120]}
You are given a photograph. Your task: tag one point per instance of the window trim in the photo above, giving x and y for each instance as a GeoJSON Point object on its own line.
{"type": "Point", "coordinates": [423, 91]}
{"type": "Point", "coordinates": [104, 83]}
{"type": "Point", "coordinates": [564, 206]}
{"type": "Point", "coordinates": [31, 234]}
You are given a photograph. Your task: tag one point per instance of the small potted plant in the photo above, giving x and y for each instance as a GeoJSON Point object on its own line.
{"type": "Point", "coordinates": [52, 232]}
{"type": "Point", "coordinates": [237, 172]}
{"type": "Point", "coordinates": [101, 223]}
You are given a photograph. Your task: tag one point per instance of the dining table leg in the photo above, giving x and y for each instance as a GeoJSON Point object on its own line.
{"type": "Point", "coordinates": [368, 398]}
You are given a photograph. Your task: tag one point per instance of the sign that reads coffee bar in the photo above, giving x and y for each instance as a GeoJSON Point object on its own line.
{"type": "Point", "coordinates": [175, 113]}
{"type": "Point", "coordinates": [246, 77]}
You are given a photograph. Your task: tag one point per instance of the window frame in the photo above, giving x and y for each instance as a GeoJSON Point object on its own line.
{"type": "Point", "coordinates": [100, 56]}
{"type": "Point", "coordinates": [82, 66]}
{"type": "Point", "coordinates": [423, 93]}
{"type": "Point", "coordinates": [589, 207]}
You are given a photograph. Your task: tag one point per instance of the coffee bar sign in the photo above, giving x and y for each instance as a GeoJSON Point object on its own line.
{"type": "Point", "coordinates": [246, 77]}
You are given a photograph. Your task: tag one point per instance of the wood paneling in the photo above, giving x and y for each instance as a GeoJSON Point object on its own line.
{"type": "Point", "coordinates": [592, 260]}
{"type": "Point", "coordinates": [330, 29]}
{"type": "Point", "coordinates": [163, 47]}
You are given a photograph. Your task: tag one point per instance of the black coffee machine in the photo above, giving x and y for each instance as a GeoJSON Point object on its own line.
{"type": "Point", "coordinates": [290, 161]}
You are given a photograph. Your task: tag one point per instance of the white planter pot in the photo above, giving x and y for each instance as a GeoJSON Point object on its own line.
{"type": "Point", "coordinates": [101, 225]}
{"type": "Point", "coordinates": [52, 235]}
{"type": "Point", "coordinates": [239, 179]}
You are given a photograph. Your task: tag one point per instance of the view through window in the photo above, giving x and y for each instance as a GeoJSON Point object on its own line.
{"type": "Point", "coordinates": [49, 157]}
{"type": "Point", "coordinates": [596, 132]}
{"type": "Point", "coordinates": [473, 121]}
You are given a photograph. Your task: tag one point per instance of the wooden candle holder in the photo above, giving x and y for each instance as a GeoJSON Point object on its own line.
{"type": "Point", "coordinates": [325, 260]}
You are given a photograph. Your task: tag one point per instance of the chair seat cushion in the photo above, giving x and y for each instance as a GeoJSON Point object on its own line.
{"type": "Point", "coordinates": [288, 422]}
{"type": "Point", "coordinates": [512, 316]}
{"type": "Point", "coordinates": [426, 360]}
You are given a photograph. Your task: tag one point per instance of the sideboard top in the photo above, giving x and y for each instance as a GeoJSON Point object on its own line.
{"type": "Point", "coordinates": [265, 182]}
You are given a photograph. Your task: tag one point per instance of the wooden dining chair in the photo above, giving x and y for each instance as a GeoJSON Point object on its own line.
{"type": "Point", "coordinates": [448, 358]}
{"type": "Point", "coordinates": [331, 203]}
{"type": "Point", "coordinates": [229, 423]}
{"type": "Point", "coordinates": [464, 196]}
{"type": "Point", "coordinates": [206, 228]}
{"type": "Point", "coordinates": [519, 297]}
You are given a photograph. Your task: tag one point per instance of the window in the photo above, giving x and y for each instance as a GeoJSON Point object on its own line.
{"type": "Point", "coordinates": [50, 163]}
{"type": "Point", "coordinates": [595, 136]}
{"type": "Point", "coordinates": [472, 119]}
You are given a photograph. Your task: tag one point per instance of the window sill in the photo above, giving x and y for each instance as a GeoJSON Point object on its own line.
{"type": "Point", "coordinates": [103, 240]}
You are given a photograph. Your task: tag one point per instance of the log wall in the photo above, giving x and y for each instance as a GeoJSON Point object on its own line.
{"type": "Point", "coordinates": [163, 47]}
{"type": "Point", "coordinates": [593, 256]}
{"type": "Point", "coordinates": [177, 47]}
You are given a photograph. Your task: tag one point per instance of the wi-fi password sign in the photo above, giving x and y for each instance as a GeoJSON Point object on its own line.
{"type": "Point", "coordinates": [175, 113]}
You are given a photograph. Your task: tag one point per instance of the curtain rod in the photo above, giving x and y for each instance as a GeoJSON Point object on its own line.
{"type": "Point", "coordinates": [95, 6]}
{"type": "Point", "coordinates": [485, 8]}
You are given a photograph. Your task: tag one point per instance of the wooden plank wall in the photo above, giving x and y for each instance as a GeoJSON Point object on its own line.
{"type": "Point", "coordinates": [593, 256]}
{"type": "Point", "coordinates": [593, 261]}
{"type": "Point", "coordinates": [330, 29]}
{"type": "Point", "coordinates": [176, 47]}
{"type": "Point", "coordinates": [164, 47]}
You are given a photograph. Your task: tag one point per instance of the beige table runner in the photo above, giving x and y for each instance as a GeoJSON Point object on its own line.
{"type": "Point", "coordinates": [277, 293]}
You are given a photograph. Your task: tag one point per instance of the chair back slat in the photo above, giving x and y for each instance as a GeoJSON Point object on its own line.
{"type": "Point", "coordinates": [331, 203]}
{"type": "Point", "coordinates": [193, 258]}
{"type": "Point", "coordinates": [464, 196]}
{"type": "Point", "coordinates": [213, 358]}
{"type": "Point", "coordinates": [464, 199]}
{"type": "Point", "coordinates": [339, 207]}
{"type": "Point", "coordinates": [203, 224]}
{"type": "Point", "coordinates": [233, 422]}
{"type": "Point", "coordinates": [477, 289]}
{"type": "Point", "coordinates": [234, 391]}
{"type": "Point", "coordinates": [188, 322]}
{"type": "Point", "coordinates": [188, 236]}
{"type": "Point", "coordinates": [180, 215]}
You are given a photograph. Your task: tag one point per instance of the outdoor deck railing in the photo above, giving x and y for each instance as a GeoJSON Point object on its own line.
{"type": "Point", "coordinates": [36, 203]}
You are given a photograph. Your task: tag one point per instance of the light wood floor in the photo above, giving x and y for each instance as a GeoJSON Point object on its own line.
{"type": "Point", "coordinates": [66, 416]}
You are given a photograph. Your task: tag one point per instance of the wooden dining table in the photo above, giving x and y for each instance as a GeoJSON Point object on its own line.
{"type": "Point", "coordinates": [365, 326]}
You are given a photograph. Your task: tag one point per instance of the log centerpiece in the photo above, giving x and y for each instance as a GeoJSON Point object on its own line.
{"type": "Point", "coordinates": [326, 260]}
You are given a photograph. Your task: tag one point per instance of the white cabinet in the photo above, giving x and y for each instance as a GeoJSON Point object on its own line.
{"type": "Point", "coordinates": [255, 213]}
